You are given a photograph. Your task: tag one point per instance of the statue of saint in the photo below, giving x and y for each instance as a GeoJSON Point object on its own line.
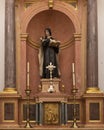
{"type": "Point", "coordinates": [49, 52]}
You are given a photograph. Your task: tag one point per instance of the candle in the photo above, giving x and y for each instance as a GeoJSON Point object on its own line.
{"type": "Point", "coordinates": [73, 73]}
{"type": "Point", "coordinates": [28, 67]}
{"type": "Point", "coordinates": [28, 82]}
{"type": "Point", "coordinates": [28, 76]}
{"type": "Point", "coordinates": [73, 67]}
{"type": "Point", "coordinates": [73, 79]}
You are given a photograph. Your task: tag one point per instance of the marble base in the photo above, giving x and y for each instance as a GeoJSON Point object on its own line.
{"type": "Point", "coordinates": [45, 84]}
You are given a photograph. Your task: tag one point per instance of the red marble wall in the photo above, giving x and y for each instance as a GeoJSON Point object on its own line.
{"type": "Point", "coordinates": [66, 58]}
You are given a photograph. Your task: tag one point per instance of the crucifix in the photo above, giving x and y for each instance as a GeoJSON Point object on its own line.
{"type": "Point", "coordinates": [50, 67]}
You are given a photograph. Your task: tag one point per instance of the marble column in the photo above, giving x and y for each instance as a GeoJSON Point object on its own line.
{"type": "Point", "coordinates": [65, 113]}
{"type": "Point", "coordinates": [37, 113]}
{"type": "Point", "coordinates": [92, 47]}
{"type": "Point", "coordinates": [62, 113]}
{"type": "Point", "coordinates": [40, 114]}
{"type": "Point", "coordinates": [10, 50]}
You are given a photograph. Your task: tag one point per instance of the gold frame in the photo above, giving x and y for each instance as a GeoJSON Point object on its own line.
{"type": "Point", "coordinates": [100, 111]}
{"type": "Point", "coordinates": [51, 112]}
{"type": "Point", "coordinates": [3, 120]}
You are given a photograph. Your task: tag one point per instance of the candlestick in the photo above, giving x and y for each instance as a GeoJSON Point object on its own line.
{"type": "Point", "coordinates": [74, 92]}
{"type": "Point", "coordinates": [28, 125]}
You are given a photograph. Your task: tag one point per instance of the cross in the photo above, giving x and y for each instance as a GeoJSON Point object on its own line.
{"type": "Point", "coordinates": [50, 67]}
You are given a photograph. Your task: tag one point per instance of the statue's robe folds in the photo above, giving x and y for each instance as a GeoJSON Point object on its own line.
{"type": "Point", "coordinates": [50, 53]}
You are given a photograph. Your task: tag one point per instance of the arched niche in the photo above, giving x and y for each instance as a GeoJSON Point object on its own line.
{"type": "Point", "coordinates": [63, 30]}
{"type": "Point", "coordinates": [64, 22]}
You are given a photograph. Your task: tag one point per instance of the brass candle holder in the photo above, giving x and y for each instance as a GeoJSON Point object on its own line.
{"type": "Point", "coordinates": [74, 92]}
{"type": "Point", "coordinates": [28, 125]}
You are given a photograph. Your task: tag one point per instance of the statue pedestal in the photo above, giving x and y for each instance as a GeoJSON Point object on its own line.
{"type": "Point", "coordinates": [45, 84]}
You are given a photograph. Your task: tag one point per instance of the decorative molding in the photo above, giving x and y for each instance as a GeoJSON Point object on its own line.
{"type": "Point", "coordinates": [10, 90]}
{"type": "Point", "coordinates": [95, 111]}
{"type": "Point", "coordinates": [42, 5]}
{"type": "Point", "coordinates": [32, 43]}
{"type": "Point", "coordinates": [93, 89]}
{"type": "Point", "coordinates": [77, 37]}
{"type": "Point", "coordinates": [9, 120]}
{"type": "Point", "coordinates": [24, 36]}
{"type": "Point", "coordinates": [8, 112]}
{"type": "Point", "coordinates": [29, 3]}
{"type": "Point", "coordinates": [94, 115]}
{"type": "Point", "coordinates": [67, 44]}
{"type": "Point", "coordinates": [74, 3]}
{"type": "Point", "coordinates": [36, 45]}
